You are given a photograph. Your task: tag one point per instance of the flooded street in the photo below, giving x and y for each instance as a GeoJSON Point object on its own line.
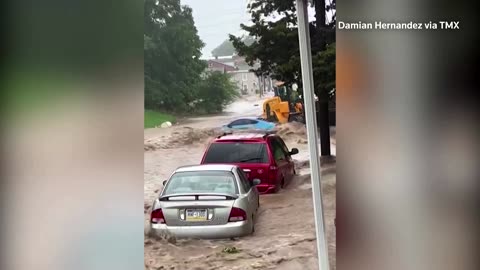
{"type": "Point", "coordinates": [285, 229]}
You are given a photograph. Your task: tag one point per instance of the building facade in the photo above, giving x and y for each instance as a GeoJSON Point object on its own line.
{"type": "Point", "coordinates": [246, 81]}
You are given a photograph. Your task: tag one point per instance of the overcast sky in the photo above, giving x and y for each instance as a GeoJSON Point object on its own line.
{"type": "Point", "coordinates": [215, 19]}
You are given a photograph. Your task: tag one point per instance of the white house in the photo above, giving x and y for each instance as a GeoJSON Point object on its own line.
{"type": "Point", "coordinates": [247, 82]}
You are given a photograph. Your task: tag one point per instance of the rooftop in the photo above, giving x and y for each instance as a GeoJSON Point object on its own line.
{"type": "Point", "coordinates": [249, 117]}
{"type": "Point", "coordinates": [260, 136]}
{"type": "Point", "coordinates": [222, 59]}
{"type": "Point", "coordinates": [207, 167]}
{"type": "Point", "coordinates": [226, 63]}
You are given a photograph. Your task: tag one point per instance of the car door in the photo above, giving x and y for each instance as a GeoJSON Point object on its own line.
{"type": "Point", "coordinates": [253, 124]}
{"type": "Point", "coordinates": [237, 124]}
{"type": "Point", "coordinates": [291, 164]}
{"type": "Point", "coordinates": [251, 192]}
{"type": "Point", "coordinates": [281, 160]}
{"type": "Point", "coordinates": [249, 124]}
{"type": "Point", "coordinates": [264, 125]}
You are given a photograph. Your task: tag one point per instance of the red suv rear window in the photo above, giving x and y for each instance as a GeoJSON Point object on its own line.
{"type": "Point", "coordinates": [237, 152]}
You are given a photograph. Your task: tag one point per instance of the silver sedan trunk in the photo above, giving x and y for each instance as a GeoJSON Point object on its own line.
{"type": "Point", "coordinates": [203, 216]}
{"type": "Point", "coordinates": [187, 211]}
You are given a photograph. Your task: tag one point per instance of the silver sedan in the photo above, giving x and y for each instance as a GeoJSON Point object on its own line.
{"type": "Point", "coordinates": [206, 201]}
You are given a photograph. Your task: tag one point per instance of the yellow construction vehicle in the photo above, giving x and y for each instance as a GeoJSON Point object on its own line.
{"type": "Point", "coordinates": [279, 108]}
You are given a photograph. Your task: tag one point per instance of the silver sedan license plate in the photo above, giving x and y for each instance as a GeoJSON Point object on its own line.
{"type": "Point", "coordinates": [196, 215]}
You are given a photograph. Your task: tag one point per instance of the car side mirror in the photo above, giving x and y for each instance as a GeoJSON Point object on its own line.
{"type": "Point", "coordinates": [256, 182]}
{"type": "Point", "coordinates": [294, 151]}
{"type": "Point", "coordinates": [164, 182]}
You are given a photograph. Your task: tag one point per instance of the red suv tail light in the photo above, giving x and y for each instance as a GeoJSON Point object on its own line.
{"type": "Point", "coordinates": [237, 214]}
{"type": "Point", "coordinates": [157, 217]}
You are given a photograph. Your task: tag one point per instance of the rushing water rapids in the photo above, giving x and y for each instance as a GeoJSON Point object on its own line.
{"type": "Point", "coordinates": [285, 229]}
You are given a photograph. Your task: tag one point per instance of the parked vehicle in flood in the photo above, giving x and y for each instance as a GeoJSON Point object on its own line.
{"type": "Point", "coordinates": [207, 201]}
{"type": "Point", "coordinates": [263, 156]}
{"type": "Point", "coordinates": [249, 123]}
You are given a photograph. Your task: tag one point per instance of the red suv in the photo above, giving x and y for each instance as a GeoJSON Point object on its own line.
{"type": "Point", "coordinates": [260, 156]}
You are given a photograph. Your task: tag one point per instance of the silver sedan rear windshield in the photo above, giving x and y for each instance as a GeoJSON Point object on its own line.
{"type": "Point", "coordinates": [201, 182]}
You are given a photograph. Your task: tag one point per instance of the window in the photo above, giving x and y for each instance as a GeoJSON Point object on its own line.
{"type": "Point", "coordinates": [278, 152]}
{"type": "Point", "coordinates": [244, 76]}
{"type": "Point", "coordinates": [284, 146]}
{"type": "Point", "coordinates": [244, 89]}
{"type": "Point", "coordinates": [201, 182]}
{"type": "Point", "coordinates": [244, 180]}
{"type": "Point", "coordinates": [237, 152]}
{"type": "Point", "coordinates": [239, 122]}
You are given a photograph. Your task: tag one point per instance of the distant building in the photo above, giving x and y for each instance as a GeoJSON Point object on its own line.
{"type": "Point", "coordinates": [218, 65]}
{"type": "Point", "coordinates": [247, 82]}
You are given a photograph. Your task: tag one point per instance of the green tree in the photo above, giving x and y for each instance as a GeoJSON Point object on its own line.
{"type": "Point", "coordinates": [227, 49]}
{"type": "Point", "coordinates": [324, 69]}
{"type": "Point", "coordinates": [174, 73]}
{"type": "Point", "coordinates": [276, 46]}
{"type": "Point", "coordinates": [215, 92]}
{"type": "Point", "coordinates": [172, 50]}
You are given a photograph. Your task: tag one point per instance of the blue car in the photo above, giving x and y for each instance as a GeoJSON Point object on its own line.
{"type": "Point", "coordinates": [249, 123]}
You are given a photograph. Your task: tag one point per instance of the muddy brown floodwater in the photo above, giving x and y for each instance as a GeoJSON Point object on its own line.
{"type": "Point", "coordinates": [284, 235]}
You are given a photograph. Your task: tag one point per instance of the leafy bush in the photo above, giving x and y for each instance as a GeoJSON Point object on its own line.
{"type": "Point", "coordinates": [215, 92]}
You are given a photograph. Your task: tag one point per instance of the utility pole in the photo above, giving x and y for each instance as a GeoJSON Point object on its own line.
{"type": "Point", "coordinates": [260, 88]}
{"type": "Point", "coordinates": [264, 83]}
{"type": "Point", "coordinates": [323, 100]}
{"type": "Point", "coordinates": [312, 135]}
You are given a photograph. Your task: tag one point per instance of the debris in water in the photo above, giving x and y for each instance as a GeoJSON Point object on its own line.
{"type": "Point", "coordinates": [292, 129]}
{"type": "Point", "coordinates": [146, 207]}
{"type": "Point", "coordinates": [230, 250]}
{"type": "Point", "coordinates": [302, 141]}
{"type": "Point", "coordinates": [186, 136]}
{"type": "Point", "coordinates": [163, 236]}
